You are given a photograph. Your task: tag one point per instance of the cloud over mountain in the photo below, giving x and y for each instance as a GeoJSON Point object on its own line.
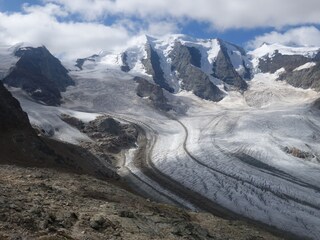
{"type": "Point", "coordinates": [220, 14]}
{"type": "Point", "coordinates": [301, 36]}
{"type": "Point", "coordinates": [79, 28]}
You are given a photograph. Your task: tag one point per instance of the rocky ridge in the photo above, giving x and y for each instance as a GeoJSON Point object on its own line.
{"type": "Point", "coordinates": [40, 74]}
{"type": "Point", "coordinates": [185, 62]}
{"type": "Point", "coordinates": [300, 66]}
{"type": "Point", "coordinates": [21, 145]}
{"type": "Point", "coordinates": [222, 70]}
{"type": "Point", "coordinates": [153, 93]}
{"type": "Point", "coordinates": [109, 136]}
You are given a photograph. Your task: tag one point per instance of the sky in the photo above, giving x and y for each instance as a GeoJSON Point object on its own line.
{"type": "Point", "coordinates": [79, 28]}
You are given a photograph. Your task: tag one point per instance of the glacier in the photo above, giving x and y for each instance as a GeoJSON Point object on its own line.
{"type": "Point", "coordinates": [235, 156]}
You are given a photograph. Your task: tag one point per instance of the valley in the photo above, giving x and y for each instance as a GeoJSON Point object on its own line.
{"type": "Point", "coordinates": [221, 157]}
{"type": "Point", "coordinates": [228, 138]}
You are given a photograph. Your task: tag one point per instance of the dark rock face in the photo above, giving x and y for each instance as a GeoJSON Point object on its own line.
{"type": "Point", "coordinates": [125, 67]}
{"type": "Point", "coordinates": [317, 57]}
{"type": "Point", "coordinates": [316, 104]}
{"type": "Point", "coordinates": [195, 55]}
{"type": "Point", "coordinates": [12, 118]}
{"type": "Point", "coordinates": [288, 62]}
{"type": "Point", "coordinates": [81, 61]}
{"type": "Point", "coordinates": [193, 79]}
{"type": "Point", "coordinates": [152, 65]}
{"type": "Point", "coordinates": [153, 92]}
{"type": "Point", "coordinates": [108, 125]}
{"type": "Point", "coordinates": [223, 70]}
{"type": "Point", "coordinates": [21, 146]}
{"type": "Point", "coordinates": [40, 74]}
{"type": "Point", "coordinates": [186, 66]}
{"type": "Point", "coordinates": [299, 153]}
{"type": "Point", "coordinates": [110, 135]}
{"type": "Point", "coordinates": [305, 78]}
{"type": "Point", "coordinates": [247, 74]}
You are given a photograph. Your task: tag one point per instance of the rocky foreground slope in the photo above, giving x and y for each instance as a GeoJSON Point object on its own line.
{"type": "Point", "coordinates": [47, 204]}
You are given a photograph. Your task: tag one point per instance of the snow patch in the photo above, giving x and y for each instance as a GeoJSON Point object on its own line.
{"type": "Point", "coordinates": [269, 50]}
{"type": "Point", "coordinates": [305, 66]}
{"type": "Point", "coordinates": [239, 61]}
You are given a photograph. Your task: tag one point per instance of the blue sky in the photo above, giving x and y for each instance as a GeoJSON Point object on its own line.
{"type": "Point", "coordinates": [193, 28]}
{"type": "Point", "coordinates": [68, 25]}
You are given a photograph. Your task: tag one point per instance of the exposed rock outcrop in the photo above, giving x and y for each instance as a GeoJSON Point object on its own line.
{"type": "Point", "coordinates": [40, 74]}
{"type": "Point", "coordinates": [193, 79]}
{"type": "Point", "coordinates": [223, 70]}
{"type": "Point", "coordinates": [153, 67]}
{"type": "Point", "coordinates": [43, 204]}
{"type": "Point", "coordinates": [305, 78]}
{"type": "Point", "coordinates": [278, 60]}
{"type": "Point", "coordinates": [316, 104]}
{"type": "Point", "coordinates": [308, 156]}
{"type": "Point", "coordinates": [12, 118]}
{"type": "Point", "coordinates": [153, 93]}
{"type": "Point", "coordinates": [125, 67]}
{"type": "Point", "coordinates": [308, 77]}
{"type": "Point", "coordinates": [20, 144]}
{"type": "Point", "coordinates": [109, 136]}
{"type": "Point", "coordinates": [81, 61]}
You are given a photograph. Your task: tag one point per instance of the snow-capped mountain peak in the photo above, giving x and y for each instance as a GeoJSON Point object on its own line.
{"type": "Point", "coordinates": [215, 60]}
{"type": "Point", "coordinates": [270, 49]}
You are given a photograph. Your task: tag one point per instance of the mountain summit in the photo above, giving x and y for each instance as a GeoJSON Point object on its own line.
{"type": "Point", "coordinates": [207, 68]}
{"type": "Point", "coordinates": [40, 74]}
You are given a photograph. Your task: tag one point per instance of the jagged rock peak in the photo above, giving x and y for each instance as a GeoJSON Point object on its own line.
{"type": "Point", "coordinates": [212, 62]}
{"type": "Point", "coordinates": [39, 73]}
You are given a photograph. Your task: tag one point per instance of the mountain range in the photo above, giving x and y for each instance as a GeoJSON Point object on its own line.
{"type": "Point", "coordinates": [197, 123]}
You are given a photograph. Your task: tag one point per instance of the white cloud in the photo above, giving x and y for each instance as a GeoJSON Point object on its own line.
{"type": "Point", "coordinates": [153, 28]}
{"type": "Point", "coordinates": [49, 9]}
{"type": "Point", "coordinates": [39, 25]}
{"type": "Point", "coordinates": [303, 36]}
{"type": "Point", "coordinates": [221, 14]}
{"type": "Point", "coordinates": [50, 23]}
{"type": "Point", "coordinates": [159, 29]}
